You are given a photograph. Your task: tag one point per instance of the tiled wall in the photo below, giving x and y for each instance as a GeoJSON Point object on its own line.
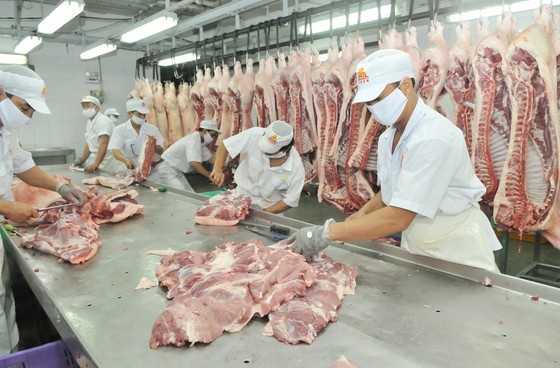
{"type": "Point", "coordinates": [64, 74]}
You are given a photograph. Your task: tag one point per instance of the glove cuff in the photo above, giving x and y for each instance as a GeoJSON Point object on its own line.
{"type": "Point", "coordinates": [325, 234]}
{"type": "Point", "coordinates": [59, 187]}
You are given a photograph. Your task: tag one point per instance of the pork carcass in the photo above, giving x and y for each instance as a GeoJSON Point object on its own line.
{"type": "Point", "coordinates": [246, 92]}
{"type": "Point", "coordinates": [186, 111]}
{"type": "Point", "coordinates": [206, 98]}
{"type": "Point", "coordinates": [115, 206]}
{"type": "Point", "coordinates": [73, 238]}
{"type": "Point", "coordinates": [433, 67]}
{"type": "Point", "coordinates": [161, 115]}
{"type": "Point", "coordinates": [118, 180]}
{"type": "Point", "coordinates": [264, 93]}
{"type": "Point", "coordinates": [302, 318]}
{"type": "Point", "coordinates": [148, 97]}
{"type": "Point", "coordinates": [197, 100]}
{"type": "Point", "coordinates": [145, 158]}
{"type": "Point", "coordinates": [412, 49]}
{"type": "Point", "coordinates": [226, 119]}
{"type": "Point", "coordinates": [492, 117]}
{"type": "Point", "coordinates": [527, 193]}
{"type": "Point", "coordinates": [215, 96]}
{"type": "Point", "coordinates": [224, 209]}
{"type": "Point", "coordinates": [233, 99]}
{"type": "Point", "coordinates": [174, 127]}
{"type": "Point", "coordinates": [35, 196]}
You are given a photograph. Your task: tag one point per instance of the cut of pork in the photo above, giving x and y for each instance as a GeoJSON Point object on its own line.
{"type": "Point", "coordinates": [117, 181]}
{"type": "Point", "coordinates": [302, 318]}
{"type": "Point", "coordinates": [433, 67]}
{"type": "Point", "coordinates": [145, 159]}
{"type": "Point", "coordinates": [115, 206]}
{"type": "Point", "coordinates": [224, 209]}
{"type": "Point", "coordinates": [527, 193]}
{"type": "Point", "coordinates": [343, 362]}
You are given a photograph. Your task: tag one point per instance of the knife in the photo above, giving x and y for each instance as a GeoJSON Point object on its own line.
{"type": "Point", "coordinates": [267, 235]}
{"type": "Point", "coordinates": [55, 207]}
{"type": "Point", "coordinates": [273, 228]}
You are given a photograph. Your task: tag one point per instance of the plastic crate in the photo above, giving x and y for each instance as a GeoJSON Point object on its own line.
{"type": "Point", "coordinates": [51, 355]}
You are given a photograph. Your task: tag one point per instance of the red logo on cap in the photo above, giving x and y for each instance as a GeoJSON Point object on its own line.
{"type": "Point", "coordinates": [362, 76]}
{"type": "Point", "coordinates": [44, 92]}
{"type": "Point", "coordinates": [272, 139]}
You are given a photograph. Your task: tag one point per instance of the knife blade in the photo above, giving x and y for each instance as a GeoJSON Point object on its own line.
{"type": "Point", "coordinates": [55, 207]}
{"type": "Point", "coordinates": [267, 235]}
{"type": "Point", "coordinates": [273, 228]}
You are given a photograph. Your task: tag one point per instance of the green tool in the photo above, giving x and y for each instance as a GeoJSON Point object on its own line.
{"type": "Point", "coordinates": [155, 189]}
{"type": "Point", "coordinates": [11, 229]}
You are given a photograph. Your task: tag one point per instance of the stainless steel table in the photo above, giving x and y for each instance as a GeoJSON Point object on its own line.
{"type": "Point", "coordinates": [408, 311]}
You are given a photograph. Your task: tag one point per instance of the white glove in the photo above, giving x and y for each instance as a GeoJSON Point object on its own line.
{"type": "Point", "coordinates": [310, 240]}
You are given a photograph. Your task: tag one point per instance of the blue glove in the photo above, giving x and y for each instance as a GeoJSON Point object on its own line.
{"type": "Point", "coordinates": [310, 240]}
{"type": "Point", "coordinates": [72, 195]}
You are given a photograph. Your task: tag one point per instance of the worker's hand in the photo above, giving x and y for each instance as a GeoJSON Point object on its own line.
{"type": "Point", "coordinates": [78, 162]}
{"type": "Point", "coordinates": [217, 177]}
{"type": "Point", "coordinates": [20, 212]}
{"type": "Point", "coordinates": [310, 240]}
{"type": "Point", "coordinates": [91, 168]}
{"type": "Point", "coordinates": [129, 164]}
{"type": "Point", "coordinates": [73, 195]}
{"type": "Point", "coordinates": [355, 215]}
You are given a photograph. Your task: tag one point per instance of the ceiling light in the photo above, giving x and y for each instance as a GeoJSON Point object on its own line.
{"type": "Point", "coordinates": [497, 10]}
{"type": "Point", "coordinates": [15, 59]}
{"type": "Point", "coordinates": [64, 12]}
{"type": "Point", "coordinates": [177, 59]}
{"type": "Point", "coordinates": [27, 44]}
{"type": "Point", "coordinates": [151, 28]}
{"type": "Point", "coordinates": [340, 22]}
{"type": "Point", "coordinates": [98, 50]}
{"type": "Point", "coordinates": [525, 5]}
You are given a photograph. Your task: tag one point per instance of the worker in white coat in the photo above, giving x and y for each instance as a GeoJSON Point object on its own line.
{"type": "Point", "coordinates": [98, 132]}
{"type": "Point", "coordinates": [188, 155]}
{"type": "Point", "coordinates": [127, 138]}
{"type": "Point", "coordinates": [112, 114]}
{"type": "Point", "coordinates": [429, 190]}
{"type": "Point", "coordinates": [22, 92]}
{"type": "Point", "coordinates": [270, 171]}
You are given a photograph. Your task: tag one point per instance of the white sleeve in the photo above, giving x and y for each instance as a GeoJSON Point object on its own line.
{"type": "Point", "coordinates": [193, 150]}
{"type": "Point", "coordinates": [238, 143]}
{"type": "Point", "coordinates": [116, 141]}
{"type": "Point", "coordinates": [292, 195]}
{"type": "Point", "coordinates": [426, 173]}
{"type": "Point", "coordinates": [159, 137]}
{"type": "Point", "coordinates": [22, 160]}
{"type": "Point", "coordinates": [104, 127]}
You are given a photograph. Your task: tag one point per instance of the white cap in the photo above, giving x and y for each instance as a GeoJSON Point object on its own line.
{"type": "Point", "coordinates": [91, 99]}
{"type": "Point", "coordinates": [24, 83]}
{"type": "Point", "coordinates": [381, 68]}
{"type": "Point", "coordinates": [277, 135]}
{"type": "Point", "coordinates": [136, 104]}
{"type": "Point", "coordinates": [111, 111]}
{"type": "Point", "coordinates": [209, 125]}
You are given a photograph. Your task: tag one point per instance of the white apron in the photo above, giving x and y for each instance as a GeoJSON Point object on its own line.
{"type": "Point", "coordinates": [466, 238]}
{"type": "Point", "coordinates": [9, 335]}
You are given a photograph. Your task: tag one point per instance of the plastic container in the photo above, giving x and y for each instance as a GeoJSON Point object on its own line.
{"type": "Point", "coordinates": [51, 355]}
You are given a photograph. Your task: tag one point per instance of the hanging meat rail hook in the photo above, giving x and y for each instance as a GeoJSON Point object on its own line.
{"type": "Point", "coordinates": [248, 44]}
{"type": "Point", "coordinates": [259, 41]}
{"type": "Point", "coordinates": [379, 20]}
{"type": "Point", "coordinates": [278, 51]}
{"type": "Point", "coordinates": [214, 51]}
{"type": "Point", "coordinates": [296, 33]}
{"type": "Point", "coordinates": [347, 22]}
{"type": "Point", "coordinates": [267, 37]}
{"type": "Point", "coordinates": [235, 48]}
{"type": "Point", "coordinates": [431, 10]}
{"type": "Point", "coordinates": [392, 16]}
{"type": "Point", "coordinates": [359, 18]}
{"type": "Point", "coordinates": [223, 52]}
{"type": "Point", "coordinates": [310, 28]}
{"type": "Point", "coordinates": [410, 11]}
{"type": "Point", "coordinates": [331, 21]}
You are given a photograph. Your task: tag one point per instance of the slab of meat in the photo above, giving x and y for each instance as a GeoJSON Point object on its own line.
{"type": "Point", "coordinates": [235, 282]}
{"type": "Point", "coordinates": [224, 209]}
{"type": "Point", "coordinates": [174, 127]}
{"type": "Point", "coordinates": [197, 101]}
{"type": "Point", "coordinates": [527, 194]}
{"type": "Point", "coordinates": [343, 362]}
{"type": "Point", "coordinates": [246, 94]}
{"type": "Point", "coordinates": [72, 238]}
{"type": "Point", "coordinates": [147, 96]}
{"type": "Point", "coordinates": [411, 48]}
{"type": "Point", "coordinates": [115, 206]}
{"type": "Point", "coordinates": [145, 158]}
{"type": "Point", "coordinates": [302, 318]}
{"type": "Point", "coordinates": [117, 181]}
{"type": "Point", "coordinates": [37, 197]}
{"type": "Point", "coordinates": [161, 115]}
{"type": "Point", "coordinates": [433, 67]}
{"type": "Point", "coordinates": [188, 116]}
{"type": "Point", "coordinates": [492, 117]}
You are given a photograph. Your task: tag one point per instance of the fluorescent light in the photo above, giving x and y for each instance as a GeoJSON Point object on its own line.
{"type": "Point", "coordinates": [99, 50]}
{"type": "Point", "coordinates": [64, 12]}
{"type": "Point", "coordinates": [497, 10]}
{"type": "Point", "coordinates": [340, 22]}
{"type": "Point", "coordinates": [13, 59]}
{"type": "Point", "coordinates": [27, 44]}
{"type": "Point", "coordinates": [151, 28]}
{"type": "Point", "coordinates": [177, 59]}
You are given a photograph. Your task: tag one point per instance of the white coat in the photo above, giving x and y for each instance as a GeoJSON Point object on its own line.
{"type": "Point", "coordinates": [98, 126]}
{"type": "Point", "coordinates": [13, 160]}
{"type": "Point", "coordinates": [430, 173]}
{"type": "Point", "coordinates": [255, 178]}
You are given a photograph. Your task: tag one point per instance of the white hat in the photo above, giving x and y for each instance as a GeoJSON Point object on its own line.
{"type": "Point", "coordinates": [277, 135]}
{"type": "Point", "coordinates": [136, 104]}
{"type": "Point", "coordinates": [209, 125]}
{"type": "Point", "coordinates": [91, 99]}
{"type": "Point", "coordinates": [378, 70]}
{"type": "Point", "coordinates": [111, 111]}
{"type": "Point", "coordinates": [24, 83]}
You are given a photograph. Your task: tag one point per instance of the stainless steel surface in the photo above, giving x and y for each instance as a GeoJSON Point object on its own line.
{"type": "Point", "coordinates": [52, 156]}
{"type": "Point", "coordinates": [55, 207]}
{"type": "Point", "coordinates": [408, 311]}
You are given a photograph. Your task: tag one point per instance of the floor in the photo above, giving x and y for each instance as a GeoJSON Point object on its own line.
{"type": "Point", "coordinates": [36, 329]}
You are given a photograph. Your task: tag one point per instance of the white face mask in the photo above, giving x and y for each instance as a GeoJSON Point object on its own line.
{"type": "Point", "coordinates": [11, 116]}
{"type": "Point", "coordinates": [278, 155]}
{"type": "Point", "coordinates": [136, 120]}
{"type": "Point", "coordinates": [208, 139]}
{"type": "Point", "coordinates": [114, 120]}
{"type": "Point", "coordinates": [388, 110]}
{"type": "Point", "coordinates": [88, 113]}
